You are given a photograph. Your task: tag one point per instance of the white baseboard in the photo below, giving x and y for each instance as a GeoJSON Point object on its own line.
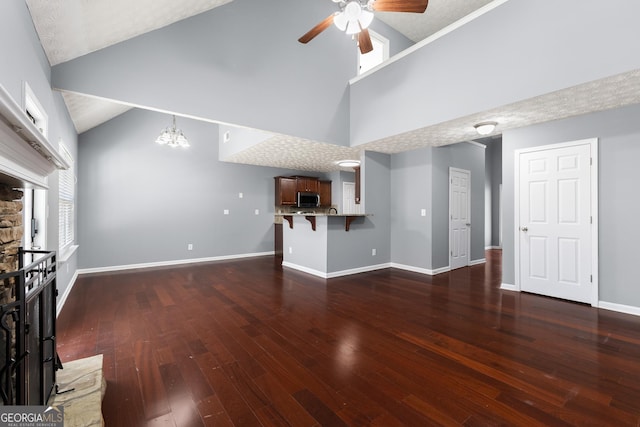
{"type": "Point", "coordinates": [477, 261]}
{"type": "Point", "coordinates": [358, 270]}
{"type": "Point", "coordinates": [621, 308]}
{"type": "Point", "coordinates": [420, 269]}
{"type": "Point", "coordinates": [333, 274]}
{"type": "Point", "coordinates": [62, 299]}
{"type": "Point", "coordinates": [492, 247]}
{"type": "Point", "coordinates": [168, 263]}
{"type": "Point", "coordinates": [508, 287]}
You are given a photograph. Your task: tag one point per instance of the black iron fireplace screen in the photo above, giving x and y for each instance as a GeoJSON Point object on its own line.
{"type": "Point", "coordinates": [29, 360]}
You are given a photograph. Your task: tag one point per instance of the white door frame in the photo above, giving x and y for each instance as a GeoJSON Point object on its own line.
{"type": "Point", "coordinates": [593, 142]}
{"type": "Point", "coordinates": [468, 172]}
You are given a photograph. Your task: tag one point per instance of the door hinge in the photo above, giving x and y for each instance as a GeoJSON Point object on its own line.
{"type": "Point", "coordinates": [590, 161]}
{"type": "Point", "coordinates": [591, 278]}
{"type": "Point", "coordinates": [590, 220]}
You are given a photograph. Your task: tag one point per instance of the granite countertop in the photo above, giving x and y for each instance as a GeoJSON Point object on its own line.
{"type": "Point", "coordinates": [321, 214]}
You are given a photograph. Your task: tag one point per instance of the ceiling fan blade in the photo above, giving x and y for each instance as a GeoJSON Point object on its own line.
{"type": "Point", "coordinates": [414, 6]}
{"type": "Point", "coordinates": [323, 25]}
{"type": "Point", "coordinates": [364, 41]}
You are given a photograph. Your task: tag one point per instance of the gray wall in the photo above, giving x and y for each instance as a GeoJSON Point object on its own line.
{"type": "Point", "coordinates": [24, 61]}
{"type": "Point", "coordinates": [493, 180]}
{"type": "Point", "coordinates": [462, 156]}
{"type": "Point", "coordinates": [140, 202]}
{"type": "Point", "coordinates": [239, 64]}
{"type": "Point", "coordinates": [618, 132]}
{"type": "Point", "coordinates": [532, 52]}
{"type": "Point", "coordinates": [411, 184]}
{"type": "Point", "coordinates": [376, 198]}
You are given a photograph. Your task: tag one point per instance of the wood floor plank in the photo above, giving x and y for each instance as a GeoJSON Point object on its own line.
{"type": "Point", "coordinates": [248, 343]}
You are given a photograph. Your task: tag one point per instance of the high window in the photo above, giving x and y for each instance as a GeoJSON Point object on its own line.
{"type": "Point", "coordinates": [377, 56]}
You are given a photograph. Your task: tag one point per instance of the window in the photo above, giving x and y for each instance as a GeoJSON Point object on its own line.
{"type": "Point", "coordinates": [377, 56]}
{"type": "Point", "coordinates": [34, 111]}
{"type": "Point", "coordinates": [66, 203]}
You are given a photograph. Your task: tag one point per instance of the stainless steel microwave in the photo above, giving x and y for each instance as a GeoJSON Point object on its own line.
{"type": "Point", "coordinates": [308, 200]}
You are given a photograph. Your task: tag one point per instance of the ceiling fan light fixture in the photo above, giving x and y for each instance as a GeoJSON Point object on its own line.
{"type": "Point", "coordinates": [366, 18]}
{"type": "Point", "coordinates": [353, 27]}
{"type": "Point", "coordinates": [485, 128]}
{"type": "Point", "coordinates": [340, 20]}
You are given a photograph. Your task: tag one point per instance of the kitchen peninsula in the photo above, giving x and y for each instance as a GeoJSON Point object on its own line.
{"type": "Point", "coordinates": [326, 245]}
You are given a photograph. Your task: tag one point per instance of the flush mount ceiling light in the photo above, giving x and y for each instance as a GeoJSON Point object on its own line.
{"type": "Point", "coordinates": [348, 163]}
{"type": "Point", "coordinates": [485, 128]}
{"type": "Point", "coordinates": [173, 137]}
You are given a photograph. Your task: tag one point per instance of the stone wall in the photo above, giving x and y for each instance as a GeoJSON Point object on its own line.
{"type": "Point", "coordinates": [11, 231]}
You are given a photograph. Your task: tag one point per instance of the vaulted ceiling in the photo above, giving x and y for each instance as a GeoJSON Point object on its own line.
{"type": "Point", "coordinates": [69, 29]}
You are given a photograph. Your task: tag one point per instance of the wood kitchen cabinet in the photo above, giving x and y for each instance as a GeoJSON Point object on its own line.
{"type": "Point", "coordinates": [286, 191]}
{"type": "Point", "coordinates": [308, 184]}
{"type": "Point", "coordinates": [325, 193]}
{"type": "Point", "coordinates": [287, 188]}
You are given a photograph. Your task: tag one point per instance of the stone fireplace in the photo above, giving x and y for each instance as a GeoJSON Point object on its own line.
{"type": "Point", "coordinates": [11, 231]}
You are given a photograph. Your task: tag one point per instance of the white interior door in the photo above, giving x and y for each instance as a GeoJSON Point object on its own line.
{"type": "Point", "coordinates": [555, 221]}
{"type": "Point", "coordinates": [459, 217]}
{"type": "Point", "coordinates": [349, 205]}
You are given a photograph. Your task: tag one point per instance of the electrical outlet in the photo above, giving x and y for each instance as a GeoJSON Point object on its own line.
{"type": "Point", "coordinates": [290, 250]}
{"type": "Point", "coordinates": [423, 212]}
{"type": "Point", "coordinates": [226, 211]}
{"type": "Point", "coordinates": [373, 252]}
{"type": "Point", "coordinates": [240, 195]}
{"type": "Point", "coordinates": [257, 211]}
{"type": "Point", "coordinates": [190, 247]}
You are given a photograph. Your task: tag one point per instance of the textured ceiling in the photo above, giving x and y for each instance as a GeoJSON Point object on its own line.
{"type": "Point", "coordinates": [439, 14]}
{"type": "Point", "coordinates": [612, 92]}
{"type": "Point", "coordinates": [72, 28]}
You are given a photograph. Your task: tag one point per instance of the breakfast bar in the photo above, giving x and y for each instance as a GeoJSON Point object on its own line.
{"type": "Point", "coordinates": [327, 245]}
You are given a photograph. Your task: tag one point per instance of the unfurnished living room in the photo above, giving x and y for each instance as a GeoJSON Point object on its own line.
{"type": "Point", "coordinates": [320, 212]}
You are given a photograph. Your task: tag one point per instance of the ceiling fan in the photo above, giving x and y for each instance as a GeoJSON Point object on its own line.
{"type": "Point", "coordinates": [355, 16]}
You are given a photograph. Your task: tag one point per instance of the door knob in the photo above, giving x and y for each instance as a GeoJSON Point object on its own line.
{"type": "Point", "coordinates": [525, 229]}
{"type": "Point", "coordinates": [468, 224]}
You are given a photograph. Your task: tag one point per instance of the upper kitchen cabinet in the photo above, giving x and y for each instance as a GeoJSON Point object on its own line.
{"type": "Point", "coordinates": [308, 184]}
{"type": "Point", "coordinates": [325, 193]}
{"type": "Point", "coordinates": [286, 191]}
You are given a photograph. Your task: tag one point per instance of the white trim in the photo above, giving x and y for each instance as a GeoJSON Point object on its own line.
{"type": "Point", "coordinates": [620, 308]}
{"type": "Point", "coordinates": [385, 51]}
{"type": "Point", "coordinates": [486, 248]}
{"type": "Point", "coordinates": [508, 287]}
{"type": "Point", "coordinates": [169, 263]}
{"type": "Point", "coordinates": [468, 172]}
{"type": "Point", "coordinates": [420, 269]}
{"type": "Point", "coordinates": [334, 274]}
{"type": "Point", "coordinates": [63, 298]}
{"type": "Point", "coordinates": [65, 254]}
{"type": "Point", "coordinates": [443, 32]}
{"type": "Point", "coordinates": [477, 261]}
{"type": "Point", "coordinates": [593, 143]}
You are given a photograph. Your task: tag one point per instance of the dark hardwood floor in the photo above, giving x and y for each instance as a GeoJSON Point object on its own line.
{"type": "Point", "coordinates": [247, 343]}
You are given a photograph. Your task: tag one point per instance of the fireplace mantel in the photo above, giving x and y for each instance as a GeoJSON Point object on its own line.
{"type": "Point", "coordinates": [26, 155]}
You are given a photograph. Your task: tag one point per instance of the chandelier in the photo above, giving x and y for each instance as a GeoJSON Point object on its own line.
{"type": "Point", "coordinates": [173, 137]}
